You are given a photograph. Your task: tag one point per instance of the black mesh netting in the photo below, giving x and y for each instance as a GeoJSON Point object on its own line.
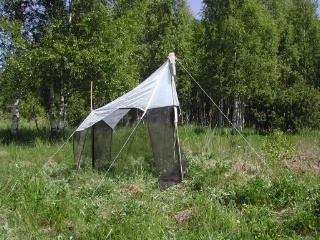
{"type": "Point", "coordinates": [82, 149]}
{"type": "Point", "coordinates": [92, 147]}
{"type": "Point", "coordinates": [164, 146]}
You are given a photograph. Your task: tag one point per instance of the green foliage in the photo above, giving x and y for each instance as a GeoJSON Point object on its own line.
{"type": "Point", "coordinates": [265, 54]}
{"type": "Point", "coordinates": [304, 217]}
{"type": "Point", "coordinates": [278, 147]}
{"type": "Point", "coordinates": [78, 109]}
{"type": "Point", "coordinates": [167, 27]}
{"type": "Point", "coordinates": [289, 109]}
{"type": "Point", "coordinates": [276, 194]}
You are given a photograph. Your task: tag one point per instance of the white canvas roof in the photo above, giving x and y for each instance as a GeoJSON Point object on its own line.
{"type": "Point", "coordinates": [158, 90]}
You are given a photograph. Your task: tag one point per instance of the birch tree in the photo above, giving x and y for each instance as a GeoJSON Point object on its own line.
{"type": "Point", "coordinates": [13, 18]}
{"type": "Point", "coordinates": [241, 52]}
{"type": "Point", "coordinates": [13, 14]}
{"type": "Point", "coordinates": [84, 42]}
{"type": "Point", "coordinates": [56, 56]}
{"type": "Point", "coordinates": [167, 27]}
{"type": "Point", "coordinates": [306, 36]}
{"type": "Point", "coordinates": [20, 28]}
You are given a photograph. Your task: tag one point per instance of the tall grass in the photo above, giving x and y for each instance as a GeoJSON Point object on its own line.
{"type": "Point", "coordinates": [260, 187]}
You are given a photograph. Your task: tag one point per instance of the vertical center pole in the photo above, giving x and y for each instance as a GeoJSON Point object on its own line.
{"type": "Point", "coordinates": [172, 59]}
{"type": "Point", "coordinates": [92, 127]}
{"type": "Point", "coordinates": [177, 141]}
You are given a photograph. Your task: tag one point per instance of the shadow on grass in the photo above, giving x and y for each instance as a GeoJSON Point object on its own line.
{"type": "Point", "coordinates": [28, 136]}
{"type": "Point", "coordinates": [223, 131]}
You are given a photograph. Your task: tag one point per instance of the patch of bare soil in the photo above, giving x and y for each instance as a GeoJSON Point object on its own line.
{"type": "Point", "coordinates": [308, 159]}
{"type": "Point", "coordinates": [244, 168]}
{"type": "Point", "coordinates": [3, 153]}
{"type": "Point", "coordinates": [303, 163]}
{"type": "Point", "coordinates": [132, 189]}
{"type": "Point", "coordinates": [182, 216]}
{"type": "Point", "coordinates": [52, 163]}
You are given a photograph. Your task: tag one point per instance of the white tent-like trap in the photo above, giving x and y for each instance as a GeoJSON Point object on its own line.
{"type": "Point", "coordinates": [157, 101]}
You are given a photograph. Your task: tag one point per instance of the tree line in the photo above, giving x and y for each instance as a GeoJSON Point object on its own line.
{"type": "Point", "coordinates": [257, 60]}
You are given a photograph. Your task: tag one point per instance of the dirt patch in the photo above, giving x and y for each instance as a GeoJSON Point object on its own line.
{"type": "Point", "coordinates": [307, 159]}
{"type": "Point", "coordinates": [303, 163]}
{"type": "Point", "coordinates": [3, 153]}
{"type": "Point", "coordinates": [52, 163]}
{"type": "Point", "coordinates": [244, 168]}
{"type": "Point", "coordinates": [182, 216]}
{"type": "Point", "coordinates": [132, 189]}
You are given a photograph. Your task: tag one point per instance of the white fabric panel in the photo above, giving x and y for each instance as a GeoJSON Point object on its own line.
{"type": "Point", "coordinates": [93, 118]}
{"type": "Point", "coordinates": [156, 91]}
{"type": "Point", "coordinates": [113, 118]}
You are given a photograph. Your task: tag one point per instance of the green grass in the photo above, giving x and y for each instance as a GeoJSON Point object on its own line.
{"type": "Point", "coordinates": [230, 192]}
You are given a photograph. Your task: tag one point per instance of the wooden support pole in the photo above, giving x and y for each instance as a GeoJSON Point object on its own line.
{"type": "Point", "coordinates": [91, 94]}
{"type": "Point", "coordinates": [92, 127]}
{"type": "Point", "coordinates": [177, 141]}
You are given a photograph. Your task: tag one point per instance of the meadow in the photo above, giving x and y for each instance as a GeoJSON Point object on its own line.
{"type": "Point", "coordinates": [237, 187]}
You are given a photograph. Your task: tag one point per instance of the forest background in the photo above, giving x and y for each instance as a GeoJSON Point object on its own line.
{"type": "Point", "coordinates": [258, 60]}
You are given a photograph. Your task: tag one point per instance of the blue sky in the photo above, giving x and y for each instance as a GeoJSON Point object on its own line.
{"type": "Point", "coordinates": [196, 7]}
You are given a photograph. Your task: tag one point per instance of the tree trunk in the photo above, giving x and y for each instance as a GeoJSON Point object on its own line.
{"type": "Point", "coordinates": [235, 114]}
{"type": "Point", "coordinates": [64, 94]}
{"type": "Point", "coordinates": [53, 123]}
{"type": "Point", "coordinates": [35, 118]}
{"type": "Point", "coordinates": [221, 117]}
{"type": "Point", "coordinates": [62, 115]}
{"type": "Point", "coordinates": [15, 117]}
{"type": "Point", "coordinates": [242, 112]}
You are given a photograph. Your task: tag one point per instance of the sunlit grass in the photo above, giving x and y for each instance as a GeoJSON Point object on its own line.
{"type": "Point", "coordinates": [264, 187]}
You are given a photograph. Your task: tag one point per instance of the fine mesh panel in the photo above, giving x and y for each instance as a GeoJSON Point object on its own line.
{"type": "Point", "coordinates": [92, 146]}
{"type": "Point", "coordinates": [131, 146]}
{"type": "Point", "coordinates": [137, 150]}
{"type": "Point", "coordinates": [82, 148]}
{"type": "Point", "coordinates": [102, 137]}
{"type": "Point", "coordinates": [163, 142]}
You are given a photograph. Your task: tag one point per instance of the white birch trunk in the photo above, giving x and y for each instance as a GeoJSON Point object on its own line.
{"type": "Point", "coordinates": [15, 117]}
{"type": "Point", "coordinates": [53, 123]}
{"type": "Point", "coordinates": [235, 114]}
{"type": "Point", "coordinates": [62, 115]}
